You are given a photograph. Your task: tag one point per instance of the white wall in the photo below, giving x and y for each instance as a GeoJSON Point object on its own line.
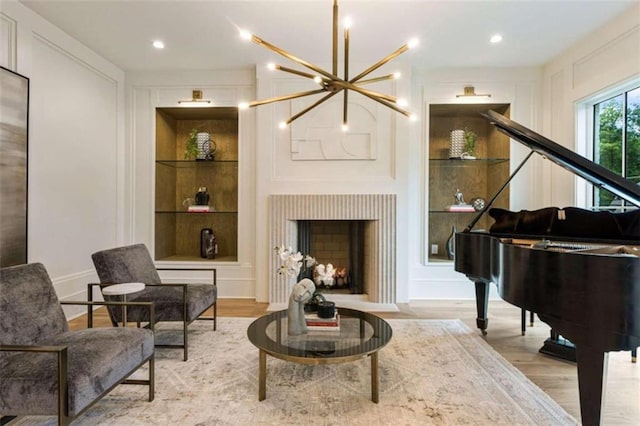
{"type": "Point", "coordinates": [76, 147]}
{"type": "Point", "coordinates": [605, 58]}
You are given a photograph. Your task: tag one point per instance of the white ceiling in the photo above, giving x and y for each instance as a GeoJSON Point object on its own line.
{"type": "Point", "coordinates": [203, 34]}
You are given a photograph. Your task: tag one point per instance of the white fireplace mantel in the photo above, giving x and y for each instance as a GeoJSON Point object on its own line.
{"type": "Point", "coordinates": [379, 210]}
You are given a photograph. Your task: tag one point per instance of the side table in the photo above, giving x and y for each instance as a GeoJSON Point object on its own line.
{"type": "Point", "coordinates": [122, 290]}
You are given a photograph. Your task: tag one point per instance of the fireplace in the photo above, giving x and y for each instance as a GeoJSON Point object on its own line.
{"type": "Point", "coordinates": [376, 214]}
{"type": "Point", "coordinates": [339, 249]}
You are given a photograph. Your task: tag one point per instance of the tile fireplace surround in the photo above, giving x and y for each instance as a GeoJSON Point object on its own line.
{"type": "Point", "coordinates": [379, 212]}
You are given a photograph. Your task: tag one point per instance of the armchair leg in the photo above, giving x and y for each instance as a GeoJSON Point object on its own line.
{"type": "Point", "coordinates": [152, 377]}
{"type": "Point", "coordinates": [185, 341]}
{"type": "Point", "coordinates": [215, 315]}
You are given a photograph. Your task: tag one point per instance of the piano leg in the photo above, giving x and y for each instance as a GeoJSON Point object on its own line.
{"type": "Point", "coordinates": [592, 380]}
{"type": "Point", "coordinates": [482, 302]}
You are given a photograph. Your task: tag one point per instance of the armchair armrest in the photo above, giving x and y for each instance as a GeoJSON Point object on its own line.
{"type": "Point", "coordinates": [62, 369]}
{"type": "Point", "coordinates": [213, 270]}
{"type": "Point", "coordinates": [90, 303]}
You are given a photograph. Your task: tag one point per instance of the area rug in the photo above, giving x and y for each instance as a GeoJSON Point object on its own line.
{"type": "Point", "coordinates": [433, 372]}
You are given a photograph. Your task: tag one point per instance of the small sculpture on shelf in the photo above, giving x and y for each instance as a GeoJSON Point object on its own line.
{"type": "Point", "coordinates": [460, 205]}
{"type": "Point", "coordinates": [301, 293]}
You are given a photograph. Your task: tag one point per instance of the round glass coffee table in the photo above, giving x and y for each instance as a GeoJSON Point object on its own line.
{"type": "Point", "coordinates": [361, 334]}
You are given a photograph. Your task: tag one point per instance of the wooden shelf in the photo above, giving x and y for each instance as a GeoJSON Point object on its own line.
{"type": "Point", "coordinates": [479, 177]}
{"type": "Point", "coordinates": [177, 231]}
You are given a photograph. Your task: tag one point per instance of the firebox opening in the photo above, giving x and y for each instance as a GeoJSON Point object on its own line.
{"type": "Point", "coordinates": [339, 243]}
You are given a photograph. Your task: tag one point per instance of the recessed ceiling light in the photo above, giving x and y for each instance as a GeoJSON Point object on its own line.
{"type": "Point", "coordinates": [496, 38]}
{"type": "Point", "coordinates": [158, 44]}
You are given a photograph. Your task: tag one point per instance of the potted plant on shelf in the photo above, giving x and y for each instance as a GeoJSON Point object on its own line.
{"type": "Point", "coordinates": [469, 144]}
{"type": "Point", "coordinates": [191, 149]}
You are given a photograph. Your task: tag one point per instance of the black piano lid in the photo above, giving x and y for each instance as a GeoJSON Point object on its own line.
{"type": "Point", "coordinates": [575, 163]}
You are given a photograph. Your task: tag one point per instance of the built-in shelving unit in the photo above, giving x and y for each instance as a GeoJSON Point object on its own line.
{"type": "Point", "coordinates": [177, 231]}
{"type": "Point", "coordinates": [475, 178]}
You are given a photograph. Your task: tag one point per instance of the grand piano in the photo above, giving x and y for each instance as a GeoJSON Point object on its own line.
{"type": "Point", "coordinates": [584, 283]}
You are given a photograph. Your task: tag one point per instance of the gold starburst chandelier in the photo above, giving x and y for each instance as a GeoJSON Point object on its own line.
{"type": "Point", "coordinates": [329, 82]}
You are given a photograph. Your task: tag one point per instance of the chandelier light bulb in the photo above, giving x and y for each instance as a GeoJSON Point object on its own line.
{"type": "Point", "coordinates": [345, 127]}
{"type": "Point", "coordinates": [243, 105]}
{"type": "Point", "coordinates": [347, 22]}
{"type": "Point", "coordinates": [282, 125]}
{"type": "Point", "coordinates": [412, 43]}
{"type": "Point", "coordinates": [397, 75]}
{"type": "Point", "coordinates": [271, 66]}
{"type": "Point", "coordinates": [402, 102]}
{"type": "Point", "coordinates": [245, 35]}
{"type": "Point", "coordinates": [317, 79]}
{"type": "Point", "coordinates": [158, 44]}
{"type": "Point", "coordinates": [413, 117]}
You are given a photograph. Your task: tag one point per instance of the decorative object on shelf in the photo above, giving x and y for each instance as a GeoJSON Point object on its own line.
{"type": "Point", "coordinates": [450, 245]}
{"type": "Point", "coordinates": [469, 145]}
{"type": "Point", "coordinates": [462, 144]}
{"type": "Point", "coordinates": [206, 146]}
{"type": "Point", "coordinates": [329, 82]}
{"type": "Point", "coordinates": [191, 148]}
{"type": "Point", "coordinates": [202, 196]}
{"type": "Point", "coordinates": [301, 293]}
{"type": "Point", "coordinates": [460, 205]}
{"type": "Point", "coordinates": [478, 203]}
{"type": "Point", "coordinates": [456, 143]}
{"type": "Point", "coordinates": [188, 202]}
{"type": "Point", "coordinates": [208, 244]}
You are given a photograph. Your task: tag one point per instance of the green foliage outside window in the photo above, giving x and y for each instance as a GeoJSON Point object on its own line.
{"type": "Point", "coordinates": [617, 140]}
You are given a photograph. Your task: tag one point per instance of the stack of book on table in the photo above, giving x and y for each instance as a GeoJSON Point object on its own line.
{"type": "Point", "coordinates": [315, 323]}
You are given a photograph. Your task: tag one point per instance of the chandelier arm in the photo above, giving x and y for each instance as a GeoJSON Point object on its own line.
{"type": "Point", "coordinates": [374, 80]}
{"type": "Point", "coordinates": [349, 86]}
{"type": "Point", "coordinates": [296, 72]}
{"type": "Point", "coordinates": [310, 107]}
{"type": "Point", "coordinates": [387, 104]}
{"type": "Point", "coordinates": [346, 75]}
{"type": "Point", "coordinates": [285, 97]}
{"type": "Point", "coordinates": [334, 50]}
{"type": "Point", "coordinates": [291, 57]}
{"type": "Point", "coordinates": [380, 63]}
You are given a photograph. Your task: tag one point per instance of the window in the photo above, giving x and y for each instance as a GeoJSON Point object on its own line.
{"type": "Point", "coordinates": [616, 143]}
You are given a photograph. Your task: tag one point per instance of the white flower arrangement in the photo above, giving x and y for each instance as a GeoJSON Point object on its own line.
{"type": "Point", "coordinates": [293, 262]}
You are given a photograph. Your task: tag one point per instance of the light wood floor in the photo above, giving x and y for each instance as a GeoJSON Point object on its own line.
{"type": "Point", "coordinates": [557, 378]}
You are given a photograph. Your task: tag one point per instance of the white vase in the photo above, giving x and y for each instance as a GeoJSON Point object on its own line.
{"type": "Point", "coordinates": [203, 140]}
{"type": "Point", "coordinates": [456, 144]}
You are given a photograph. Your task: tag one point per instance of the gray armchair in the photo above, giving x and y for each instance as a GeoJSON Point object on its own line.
{"type": "Point", "coordinates": [173, 302]}
{"type": "Point", "coordinates": [45, 369]}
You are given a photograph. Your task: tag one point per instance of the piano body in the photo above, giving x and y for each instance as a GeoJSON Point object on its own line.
{"type": "Point", "coordinates": [585, 289]}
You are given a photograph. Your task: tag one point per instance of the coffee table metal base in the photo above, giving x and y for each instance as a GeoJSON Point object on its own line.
{"type": "Point", "coordinates": [262, 376]}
